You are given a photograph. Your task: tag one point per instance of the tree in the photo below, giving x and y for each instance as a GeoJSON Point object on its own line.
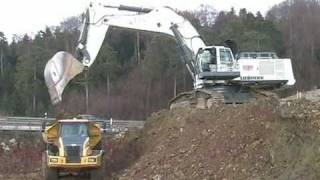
{"type": "Point", "coordinates": [299, 23]}
{"type": "Point", "coordinates": [3, 46]}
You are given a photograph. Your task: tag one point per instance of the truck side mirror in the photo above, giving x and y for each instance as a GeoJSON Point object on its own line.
{"type": "Point", "coordinates": [43, 127]}
{"type": "Point", "coordinates": [107, 126]}
{"type": "Point", "coordinates": [104, 127]}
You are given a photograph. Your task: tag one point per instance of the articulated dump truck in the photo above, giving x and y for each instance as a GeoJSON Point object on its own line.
{"type": "Point", "coordinates": [73, 147]}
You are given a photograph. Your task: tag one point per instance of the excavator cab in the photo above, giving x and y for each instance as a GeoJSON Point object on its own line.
{"type": "Point", "coordinates": [207, 58]}
{"type": "Point", "coordinates": [217, 63]}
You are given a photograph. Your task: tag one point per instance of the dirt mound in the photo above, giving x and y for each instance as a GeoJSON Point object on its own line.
{"type": "Point", "coordinates": [267, 139]}
{"type": "Point", "coordinates": [262, 140]}
{"type": "Point", "coordinates": [20, 155]}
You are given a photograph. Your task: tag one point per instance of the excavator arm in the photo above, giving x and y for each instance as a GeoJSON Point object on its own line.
{"type": "Point", "coordinates": [98, 20]}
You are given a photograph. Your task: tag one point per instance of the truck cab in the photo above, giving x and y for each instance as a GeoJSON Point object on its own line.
{"type": "Point", "coordinates": [73, 146]}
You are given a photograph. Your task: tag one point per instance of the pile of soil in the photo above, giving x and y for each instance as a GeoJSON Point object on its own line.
{"type": "Point", "coordinates": [22, 160]}
{"type": "Point", "coordinates": [261, 140]}
{"type": "Point", "coordinates": [265, 139]}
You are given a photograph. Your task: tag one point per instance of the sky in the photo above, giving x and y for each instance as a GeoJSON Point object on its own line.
{"type": "Point", "coordinates": [30, 16]}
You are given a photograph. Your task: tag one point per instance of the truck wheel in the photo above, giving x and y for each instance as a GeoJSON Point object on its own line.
{"type": "Point", "coordinates": [99, 174]}
{"type": "Point", "coordinates": [47, 172]}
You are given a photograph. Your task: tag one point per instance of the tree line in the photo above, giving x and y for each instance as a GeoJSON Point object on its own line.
{"type": "Point", "coordinates": [137, 73]}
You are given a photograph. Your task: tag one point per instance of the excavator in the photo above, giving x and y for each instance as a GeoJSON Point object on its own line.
{"type": "Point", "coordinates": [216, 75]}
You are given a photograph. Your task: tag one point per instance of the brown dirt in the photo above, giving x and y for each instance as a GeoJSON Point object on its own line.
{"type": "Point", "coordinates": [23, 158]}
{"type": "Point", "coordinates": [263, 140]}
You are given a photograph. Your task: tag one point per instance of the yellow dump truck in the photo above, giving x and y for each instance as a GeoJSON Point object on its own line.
{"type": "Point", "coordinates": [73, 147]}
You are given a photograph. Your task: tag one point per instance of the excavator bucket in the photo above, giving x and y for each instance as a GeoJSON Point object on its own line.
{"type": "Point", "coordinates": [59, 70]}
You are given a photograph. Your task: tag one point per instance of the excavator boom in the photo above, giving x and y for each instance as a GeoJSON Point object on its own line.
{"type": "Point", "coordinates": [98, 19]}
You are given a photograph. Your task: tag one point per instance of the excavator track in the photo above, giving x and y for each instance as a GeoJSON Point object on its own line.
{"type": "Point", "coordinates": [200, 98]}
{"type": "Point", "coordinates": [259, 94]}
{"type": "Point", "coordinates": [206, 98]}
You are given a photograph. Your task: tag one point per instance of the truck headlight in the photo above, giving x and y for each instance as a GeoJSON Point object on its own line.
{"type": "Point", "coordinates": [92, 160]}
{"type": "Point", "coordinates": [54, 160]}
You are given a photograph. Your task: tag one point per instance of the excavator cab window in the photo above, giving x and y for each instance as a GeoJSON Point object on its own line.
{"type": "Point", "coordinates": [225, 56]}
{"type": "Point", "coordinates": [206, 58]}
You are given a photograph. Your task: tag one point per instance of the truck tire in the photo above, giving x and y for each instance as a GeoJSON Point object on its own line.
{"type": "Point", "coordinates": [99, 173]}
{"type": "Point", "coordinates": [47, 172]}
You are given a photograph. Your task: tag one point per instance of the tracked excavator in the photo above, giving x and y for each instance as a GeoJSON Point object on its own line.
{"type": "Point", "coordinates": [217, 76]}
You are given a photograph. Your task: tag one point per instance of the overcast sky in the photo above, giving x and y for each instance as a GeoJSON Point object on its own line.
{"type": "Point", "coordinates": [30, 16]}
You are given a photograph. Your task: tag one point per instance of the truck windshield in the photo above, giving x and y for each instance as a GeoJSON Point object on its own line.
{"type": "Point", "coordinates": [73, 129]}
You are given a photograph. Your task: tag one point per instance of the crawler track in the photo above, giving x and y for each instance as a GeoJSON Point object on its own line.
{"type": "Point", "coordinates": [206, 98]}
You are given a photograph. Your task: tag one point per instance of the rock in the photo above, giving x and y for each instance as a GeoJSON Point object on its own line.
{"type": "Point", "coordinates": [13, 141]}
{"type": "Point", "coordinates": [180, 174]}
{"type": "Point", "coordinates": [157, 177]}
{"type": "Point", "coordinates": [205, 133]}
{"type": "Point", "coordinates": [6, 148]}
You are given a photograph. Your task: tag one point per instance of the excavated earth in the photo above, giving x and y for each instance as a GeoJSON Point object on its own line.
{"type": "Point", "coordinates": [262, 140]}
{"type": "Point", "coordinates": [20, 155]}
{"type": "Point", "coordinates": [267, 139]}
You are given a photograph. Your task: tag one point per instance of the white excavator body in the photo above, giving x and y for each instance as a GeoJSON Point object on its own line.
{"type": "Point", "coordinates": [209, 66]}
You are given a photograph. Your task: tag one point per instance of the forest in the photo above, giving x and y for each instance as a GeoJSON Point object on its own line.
{"type": "Point", "coordinates": [137, 73]}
